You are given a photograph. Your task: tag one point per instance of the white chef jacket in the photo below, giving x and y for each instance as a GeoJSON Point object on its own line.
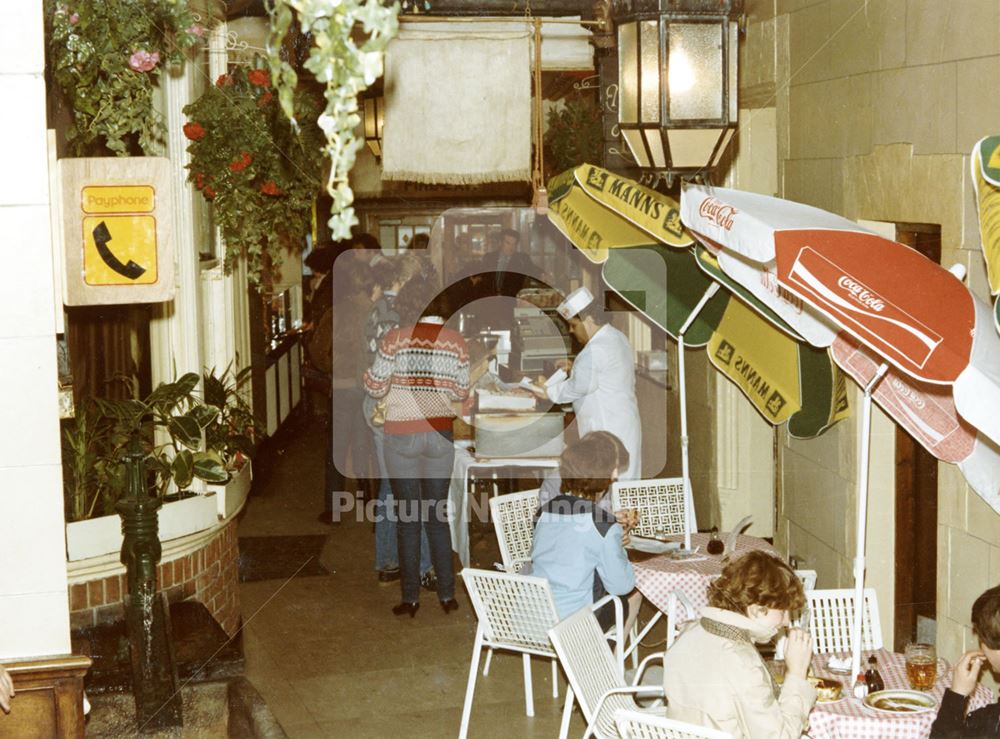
{"type": "Point", "coordinates": [601, 387]}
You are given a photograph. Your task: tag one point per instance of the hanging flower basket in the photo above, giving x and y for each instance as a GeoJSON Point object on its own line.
{"type": "Point", "coordinates": [260, 174]}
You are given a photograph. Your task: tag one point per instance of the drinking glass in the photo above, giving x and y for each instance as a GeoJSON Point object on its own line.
{"type": "Point", "coordinates": [921, 665]}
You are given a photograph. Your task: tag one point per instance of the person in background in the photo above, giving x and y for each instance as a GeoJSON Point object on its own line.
{"type": "Point", "coordinates": [578, 545]}
{"type": "Point", "coordinates": [952, 721]}
{"type": "Point", "coordinates": [390, 275]}
{"type": "Point", "coordinates": [601, 382]}
{"type": "Point", "coordinates": [421, 369]}
{"type": "Point", "coordinates": [713, 675]}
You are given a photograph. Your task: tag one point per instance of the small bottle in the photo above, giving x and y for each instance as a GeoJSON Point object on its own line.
{"type": "Point", "coordinates": [873, 678]}
{"type": "Point", "coordinates": [860, 687]}
{"type": "Point", "coordinates": [715, 545]}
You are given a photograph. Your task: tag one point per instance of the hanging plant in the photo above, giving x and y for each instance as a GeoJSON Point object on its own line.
{"type": "Point", "coordinates": [345, 67]}
{"type": "Point", "coordinates": [106, 56]}
{"type": "Point", "coordinates": [260, 175]}
{"type": "Point", "coordinates": [574, 135]}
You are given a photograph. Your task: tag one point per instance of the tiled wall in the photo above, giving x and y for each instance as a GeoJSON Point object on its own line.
{"type": "Point", "coordinates": [208, 575]}
{"type": "Point", "coordinates": [33, 578]}
{"type": "Point", "coordinates": [879, 103]}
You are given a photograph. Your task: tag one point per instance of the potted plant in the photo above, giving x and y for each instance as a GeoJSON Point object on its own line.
{"type": "Point", "coordinates": [106, 56]}
{"type": "Point", "coordinates": [170, 422]}
{"type": "Point", "coordinates": [260, 171]}
{"type": "Point", "coordinates": [232, 434]}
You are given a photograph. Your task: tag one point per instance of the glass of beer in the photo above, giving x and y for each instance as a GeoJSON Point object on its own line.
{"type": "Point", "coordinates": [921, 666]}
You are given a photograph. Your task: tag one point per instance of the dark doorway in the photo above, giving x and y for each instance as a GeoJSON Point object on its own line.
{"type": "Point", "coordinates": [916, 499]}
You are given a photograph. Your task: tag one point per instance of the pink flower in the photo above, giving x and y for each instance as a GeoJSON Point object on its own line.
{"type": "Point", "coordinates": [195, 30]}
{"type": "Point", "coordinates": [143, 61]}
{"type": "Point", "coordinates": [74, 19]}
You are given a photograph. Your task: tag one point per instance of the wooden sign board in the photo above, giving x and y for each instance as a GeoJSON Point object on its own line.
{"type": "Point", "coordinates": [117, 230]}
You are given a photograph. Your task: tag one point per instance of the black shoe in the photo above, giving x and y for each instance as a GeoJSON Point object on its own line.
{"type": "Point", "coordinates": [449, 605]}
{"type": "Point", "coordinates": [387, 576]}
{"type": "Point", "coordinates": [405, 608]}
{"type": "Point", "coordinates": [429, 581]}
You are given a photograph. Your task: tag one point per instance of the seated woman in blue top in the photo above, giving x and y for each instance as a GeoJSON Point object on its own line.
{"type": "Point", "coordinates": [578, 545]}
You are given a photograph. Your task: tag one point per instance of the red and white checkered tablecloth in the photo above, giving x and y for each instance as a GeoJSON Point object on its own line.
{"type": "Point", "coordinates": [850, 719]}
{"type": "Point", "coordinates": [656, 576]}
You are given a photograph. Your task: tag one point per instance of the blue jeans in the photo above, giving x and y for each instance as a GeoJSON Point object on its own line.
{"type": "Point", "coordinates": [419, 467]}
{"type": "Point", "coordinates": [386, 546]}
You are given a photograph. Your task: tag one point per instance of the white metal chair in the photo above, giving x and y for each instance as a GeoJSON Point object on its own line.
{"type": "Point", "coordinates": [677, 602]}
{"type": "Point", "coordinates": [596, 680]}
{"type": "Point", "coordinates": [832, 616]}
{"type": "Point", "coordinates": [515, 613]}
{"type": "Point", "coordinates": [662, 504]}
{"type": "Point", "coordinates": [514, 521]}
{"type": "Point", "coordinates": [808, 578]}
{"type": "Point", "coordinates": [635, 725]}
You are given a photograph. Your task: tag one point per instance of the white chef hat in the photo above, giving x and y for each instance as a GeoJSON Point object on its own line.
{"type": "Point", "coordinates": [575, 302]}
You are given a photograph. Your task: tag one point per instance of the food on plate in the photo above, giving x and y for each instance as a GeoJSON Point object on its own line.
{"type": "Point", "coordinates": [826, 690]}
{"type": "Point", "coordinates": [897, 702]}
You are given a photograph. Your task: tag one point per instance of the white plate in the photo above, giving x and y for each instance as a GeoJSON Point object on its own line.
{"type": "Point", "coordinates": [913, 700]}
{"type": "Point", "coordinates": [652, 546]}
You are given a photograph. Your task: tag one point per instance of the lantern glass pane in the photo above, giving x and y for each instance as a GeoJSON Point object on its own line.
{"type": "Point", "coordinates": [633, 137]}
{"type": "Point", "coordinates": [654, 140]}
{"type": "Point", "coordinates": [695, 71]}
{"type": "Point", "coordinates": [628, 73]}
{"type": "Point", "coordinates": [369, 118]}
{"type": "Point", "coordinates": [379, 116]}
{"type": "Point", "coordinates": [691, 148]}
{"type": "Point", "coordinates": [649, 86]}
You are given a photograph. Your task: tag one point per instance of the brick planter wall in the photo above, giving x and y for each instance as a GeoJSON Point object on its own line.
{"type": "Point", "coordinates": [208, 574]}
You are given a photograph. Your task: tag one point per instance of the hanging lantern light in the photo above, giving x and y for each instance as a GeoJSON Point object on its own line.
{"type": "Point", "coordinates": [373, 112]}
{"type": "Point", "coordinates": [677, 76]}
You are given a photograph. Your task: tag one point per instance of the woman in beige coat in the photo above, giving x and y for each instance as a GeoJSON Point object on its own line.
{"type": "Point", "coordinates": [714, 675]}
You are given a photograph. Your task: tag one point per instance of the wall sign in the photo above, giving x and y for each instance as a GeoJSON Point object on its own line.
{"type": "Point", "coordinates": [117, 233]}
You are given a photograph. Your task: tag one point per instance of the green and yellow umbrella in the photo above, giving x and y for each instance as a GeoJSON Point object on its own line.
{"type": "Point", "coordinates": [649, 259]}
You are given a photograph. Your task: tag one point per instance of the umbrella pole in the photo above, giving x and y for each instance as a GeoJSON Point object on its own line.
{"type": "Point", "coordinates": [689, 524]}
{"type": "Point", "coordinates": [859, 548]}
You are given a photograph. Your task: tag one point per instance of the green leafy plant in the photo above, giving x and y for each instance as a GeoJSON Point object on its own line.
{"type": "Point", "coordinates": [233, 432]}
{"type": "Point", "coordinates": [89, 483]}
{"type": "Point", "coordinates": [574, 135]}
{"type": "Point", "coordinates": [349, 40]}
{"type": "Point", "coordinates": [259, 173]}
{"type": "Point", "coordinates": [106, 56]}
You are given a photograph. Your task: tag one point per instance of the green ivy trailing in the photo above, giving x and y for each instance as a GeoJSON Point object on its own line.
{"type": "Point", "coordinates": [106, 56]}
{"type": "Point", "coordinates": [345, 67]}
{"type": "Point", "coordinates": [260, 174]}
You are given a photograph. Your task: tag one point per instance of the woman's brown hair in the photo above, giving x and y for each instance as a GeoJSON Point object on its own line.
{"type": "Point", "coordinates": [586, 467]}
{"type": "Point", "coordinates": [756, 579]}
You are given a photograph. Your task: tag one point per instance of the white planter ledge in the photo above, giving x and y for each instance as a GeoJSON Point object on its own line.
{"type": "Point", "coordinates": [232, 496]}
{"type": "Point", "coordinates": [102, 536]}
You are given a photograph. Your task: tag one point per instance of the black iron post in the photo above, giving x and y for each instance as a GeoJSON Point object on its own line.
{"type": "Point", "coordinates": [154, 674]}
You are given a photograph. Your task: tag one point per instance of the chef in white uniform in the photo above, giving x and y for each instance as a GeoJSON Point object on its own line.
{"type": "Point", "coordinates": [601, 382]}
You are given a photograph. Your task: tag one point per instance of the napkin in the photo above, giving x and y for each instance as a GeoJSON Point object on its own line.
{"type": "Point", "coordinates": [839, 663]}
{"type": "Point", "coordinates": [652, 546]}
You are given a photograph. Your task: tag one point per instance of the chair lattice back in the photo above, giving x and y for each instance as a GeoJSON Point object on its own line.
{"type": "Point", "coordinates": [590, 668]}
{"type": "Point", "coordinates": [514, 611]}
{"type": "Point", "coordinates": [661, 504]}
{"type": "Point", "coordinates": [636, 725]}
{"type": "Point", "coordinates": [514, 521]}
{"type": "Point", "coordinates": [832, 616]}
{"type": "Point", "coordinates": [808, 578]}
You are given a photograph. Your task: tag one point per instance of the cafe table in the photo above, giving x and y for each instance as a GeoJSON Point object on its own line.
{"type": "Point", "coordinates": [849, 718]}
{"type": "Point", "coordinates": [658, 575]}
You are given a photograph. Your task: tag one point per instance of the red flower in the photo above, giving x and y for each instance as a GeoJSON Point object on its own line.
{"type": "Point", "coordinates": [194, 131]}
{"type": "Point", "coordinates": [242, 163]}
{"type": "Point", "coordinates": [209, 192]}
{"type": "Point", "coordinates": [270, 187]}
{"type": "Point", "coordinates": [259, 77]}
{"type": "Point", "coordinates": [199, 180]}
{"type": "Point", "coordinates": [223, 80]}
{"type": "Point", "coordinates": [264, 99]}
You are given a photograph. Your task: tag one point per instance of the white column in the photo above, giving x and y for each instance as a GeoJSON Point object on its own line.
{"type": "Point", "coordinates": [34, 610]}
{"type": "Point", "coordinates": [175, 328]}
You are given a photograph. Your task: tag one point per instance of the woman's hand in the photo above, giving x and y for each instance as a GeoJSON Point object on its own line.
{"type": "Point", "coordinates": [966, 673]}
{"type": "Point", "coordinates": [798, 653]}
{"type": "Point", "coordinates": [564, 364]}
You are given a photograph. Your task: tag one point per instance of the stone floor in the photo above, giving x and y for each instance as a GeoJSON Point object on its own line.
{"type": "Point", "coordinates": [329, 657]}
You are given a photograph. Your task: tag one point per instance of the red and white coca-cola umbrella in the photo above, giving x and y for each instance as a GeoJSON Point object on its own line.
{"type": "Point", "coordinates": [909, 311]}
